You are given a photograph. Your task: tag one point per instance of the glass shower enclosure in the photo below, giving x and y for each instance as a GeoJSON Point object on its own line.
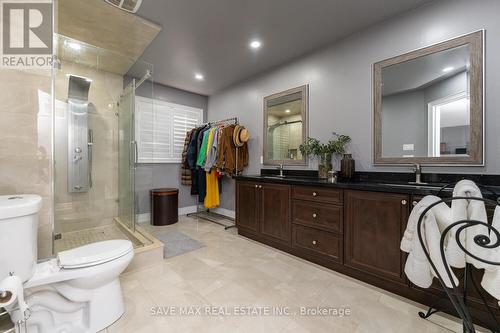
{"type": "Point", "coordinates": [127, 156]}
{"type": "Point", "coordinates": [94, 144]}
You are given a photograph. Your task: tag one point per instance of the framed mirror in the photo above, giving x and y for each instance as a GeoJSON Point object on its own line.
{"type": "Point", "coordinates": [428, 105]}
{"type": "Point", "coordinates": [285, 126]}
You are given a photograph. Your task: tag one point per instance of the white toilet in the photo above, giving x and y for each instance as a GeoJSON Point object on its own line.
{"type": "Point", "coordinates": [78, 291]}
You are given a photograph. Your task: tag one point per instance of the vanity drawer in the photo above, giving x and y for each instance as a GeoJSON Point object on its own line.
{"type": "Point", "coordinates": [317, 194]}
{"type": "Point", "coordinates": [317, 241]}
{"type": "Point", "coordinates": [317, 215]}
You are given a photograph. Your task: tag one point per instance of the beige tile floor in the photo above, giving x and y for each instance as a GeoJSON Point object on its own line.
{"type": "Point", "coordinates": [233, 271]}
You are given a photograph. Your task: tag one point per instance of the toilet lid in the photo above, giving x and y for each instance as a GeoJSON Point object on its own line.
{"type": "Point", "coordinates": [94, 254]}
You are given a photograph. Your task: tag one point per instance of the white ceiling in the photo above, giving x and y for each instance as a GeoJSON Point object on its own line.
{"type": "Point", "coordinates": [421, 72]}
{"type": "Point", "coordinates": [211, 36]}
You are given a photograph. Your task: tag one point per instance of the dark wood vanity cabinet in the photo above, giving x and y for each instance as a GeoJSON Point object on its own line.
{"type": "Point", "coordinates": [317, 223]}
{"type": "Point", "coordinates": [274, 211]}
{"type": "Point", "coordinates": [264, 209]}
{"type": "Point", "coordinates": [247, 212]}
{"type": "Point", "coordinates": [374, 225]}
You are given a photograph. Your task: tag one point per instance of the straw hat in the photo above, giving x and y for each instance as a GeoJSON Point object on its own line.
{"type": "Point", "coordinates": [244, 135]}
{"type": "Point", "coordinates": [236, 136]}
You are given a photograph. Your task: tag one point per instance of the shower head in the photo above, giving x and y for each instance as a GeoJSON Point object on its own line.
{"type": "Point", "coordinates": [78, 88]}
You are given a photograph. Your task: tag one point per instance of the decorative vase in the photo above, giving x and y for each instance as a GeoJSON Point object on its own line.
{"type": "Point", "coordinates": [325, 165]}
{"type": "Point", "coordinates": [347, 167]}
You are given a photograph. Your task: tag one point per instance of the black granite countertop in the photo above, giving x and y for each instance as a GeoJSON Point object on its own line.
{"type": "Point", "coordinates": [383, 184]}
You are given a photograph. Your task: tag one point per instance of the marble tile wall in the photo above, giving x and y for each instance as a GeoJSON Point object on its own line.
{"type": "Point", "coordinates": [25, 149]}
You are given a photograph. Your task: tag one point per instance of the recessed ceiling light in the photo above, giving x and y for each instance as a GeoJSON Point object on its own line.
{"type": "Point", "coordinates": [255, 44]}
{"type": "Point", "coordinates": [448, 69]}
{"type": "Point", "coordinates": [287, 110]}
{"type": "Point", "coordinates": [199, 76]}
{"type": "Point", "coordinates": [74, 46]}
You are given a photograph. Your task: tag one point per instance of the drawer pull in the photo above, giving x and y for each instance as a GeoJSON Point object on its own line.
{"type": "Point", "coordinates": [403, 202]}
{"type": "Point", "coordinates": [414, 203]}
{"type": "Point", "coordinates": [260, 186]}
{"type": "Point", "coordinates": [315, 242]}
{"type": "Point", "coordinates": [256, 186]}
{"type": "Point", "coordinates": [315, 194]}
{"type": "Point", "coordinates": [315, 215]}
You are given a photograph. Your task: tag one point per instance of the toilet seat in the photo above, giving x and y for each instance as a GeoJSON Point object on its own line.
{"type": "Point", "coordinates": [93, 254]}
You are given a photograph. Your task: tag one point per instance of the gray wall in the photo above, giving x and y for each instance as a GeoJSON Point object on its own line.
{"type": "Point", "coordinates": [340, 80]}
{"type": "Point", "coordinates": [150, 176]}
{"type": "Point", "coordinates": [399, 111]}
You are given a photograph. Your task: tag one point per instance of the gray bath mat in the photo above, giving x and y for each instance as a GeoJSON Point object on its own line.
{"type": "Point", "coordinates": [177, 243]}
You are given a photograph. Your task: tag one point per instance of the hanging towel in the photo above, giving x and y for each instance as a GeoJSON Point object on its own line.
{"type": "Point", "coordinates": [417, 267]}
{"type": "Point", "coordinates": [467, 210]}
{"type": "Point", "coordinates": [212, 197]}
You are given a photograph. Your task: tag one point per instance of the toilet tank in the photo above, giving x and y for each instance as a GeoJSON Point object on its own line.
{"type": "Point", "coordinates": [18, 234]}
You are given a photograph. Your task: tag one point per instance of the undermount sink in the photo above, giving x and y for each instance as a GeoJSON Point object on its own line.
{"type": "Point", "coordinates": [415, 185]}
{"type": "Point", "coordinates": [275, 177]}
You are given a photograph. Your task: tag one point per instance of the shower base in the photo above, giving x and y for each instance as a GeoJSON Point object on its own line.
{"type": "Point", "coordinates": [78, 238]}
{"type": "Point", "coordinates": [148, 250]}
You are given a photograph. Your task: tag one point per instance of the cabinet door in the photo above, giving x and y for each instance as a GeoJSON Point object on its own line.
{"type": "Point", "coordinates": [247, 206]}
{"type": "Point", "coordinates": [275, 212]}
{"type": "Point", "coordinates": [374, 225]}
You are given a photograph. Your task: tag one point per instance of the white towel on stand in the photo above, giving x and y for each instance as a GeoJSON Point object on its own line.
{"type": "Point", "coordinates": [491, 277]}
{"type": "Point", "coordinates": [417, 267]}
{"type": "Point", "coordinates": [467, 210]}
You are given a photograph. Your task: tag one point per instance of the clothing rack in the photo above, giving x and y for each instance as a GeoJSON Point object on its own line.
{"type": "Point", "coordinates": [458, 297]}
{"type": "Point", "coordinates": [206, 214]}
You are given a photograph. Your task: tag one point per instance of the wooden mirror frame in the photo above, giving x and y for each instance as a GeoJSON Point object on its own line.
{"type": "Point", "coordinates": [304, 90]}
{"type": "Point", "coordinates": [476, 82]}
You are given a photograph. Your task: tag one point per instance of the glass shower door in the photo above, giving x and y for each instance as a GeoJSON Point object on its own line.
{"type": "Point", "coordinates": [127, 154]}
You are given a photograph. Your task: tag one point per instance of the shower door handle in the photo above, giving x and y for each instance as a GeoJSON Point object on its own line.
{"type": "Point", "coordinates": [134, 153]}
{"type": "Point", "coordinates": [90, 152]}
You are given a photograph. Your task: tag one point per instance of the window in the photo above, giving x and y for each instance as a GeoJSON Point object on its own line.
{"type": "Point", "coordinates": [160, 129]}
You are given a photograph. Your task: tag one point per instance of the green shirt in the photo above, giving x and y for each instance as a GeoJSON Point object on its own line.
{"type": "Point", "coordinates": [203, 150]}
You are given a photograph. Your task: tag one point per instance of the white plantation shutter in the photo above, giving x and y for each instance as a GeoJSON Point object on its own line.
{"type": "Point", "coordinates": [161, 129]}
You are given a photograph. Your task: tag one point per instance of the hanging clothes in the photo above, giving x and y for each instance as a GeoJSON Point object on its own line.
{"type": "Point", "coordinates": [213, 143]}
{"type": "Point", "coordinates": [192, 155]}
{"type": "Point", "coordinates": [210, 152]}
{"type": "Point", "coordinates": [212, 199]}
{"type": "Point", "coordinates": [186, 176]}
{"type": "Point", "coordinates": [227, 159]}
{"type": "Point", "coordinates": [202, 153]}
{"type": "Point", "coordinates": [203, 149]}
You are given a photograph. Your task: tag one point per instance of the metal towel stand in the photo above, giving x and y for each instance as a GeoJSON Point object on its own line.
{"type": "Point", "coordinates": [206, 214]}
{"type": "Point", "coordinates": [458, 297]}
{"type": "Point", "coordinates": [21, 326]}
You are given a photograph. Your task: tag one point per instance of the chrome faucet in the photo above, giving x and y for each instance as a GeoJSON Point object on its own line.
{"type": "Point", "coordinates": [280, 168]}
{"type": "Point", "coordinates": [417, 168]}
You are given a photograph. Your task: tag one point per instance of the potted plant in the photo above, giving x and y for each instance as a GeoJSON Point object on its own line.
{"type": "Point", "coordinates": [325, 151]}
